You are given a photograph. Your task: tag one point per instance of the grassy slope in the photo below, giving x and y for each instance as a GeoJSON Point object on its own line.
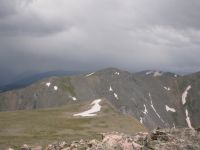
{"type": "Point", "coordinates": [56, 124]}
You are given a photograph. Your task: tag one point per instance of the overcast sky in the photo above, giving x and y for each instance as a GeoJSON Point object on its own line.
{"type": "Point", "coordinates": [43, 35]}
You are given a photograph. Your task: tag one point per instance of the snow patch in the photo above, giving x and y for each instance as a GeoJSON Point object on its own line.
{"type": "Point", "coordinates": [145, 110]}
{"type": "Point", "coordinates": [169, 109]}
{"type": "Point", "coordinates": [167, 88]}
{"type": "Point", "coordinates": [149, 72]}
{"type": "Point", "coordinates": [73, 98]}
{"type": "Point", "coordinates": [141, 120]}
{"type": "Point", "coordinates": [188, 119]}
{"type": "Point", "coordinates": [116, 96]}
{"type": "Point", "coordinates": [55, 88]}
{"type": "Point", "coordinates": [110, 89]}
{"type": "Point", "coordinates": [117, 73]}
{"type": "Point", "coordinates": [90, 74]}
{"type": "Point", "coordinates": [175, 75]}
{"type": "Point", "coordinates": [48, 84]}
{"type": "Point", "coordinates": [185, 93]}
{"type": "Point", "coordinates": [152, 106]}
{"type": "Point", "coordinates": [91, 112]}
{"type": "Point", "coordinates": [157, 74]}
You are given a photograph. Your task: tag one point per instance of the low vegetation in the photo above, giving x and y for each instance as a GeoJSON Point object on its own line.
{"type": "Point", "coordinates": [65, 84]}
{"type": "Point", "coordinates": [57, 124]}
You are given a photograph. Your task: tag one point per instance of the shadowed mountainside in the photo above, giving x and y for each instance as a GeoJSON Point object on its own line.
{"type": "Point", "coordinates": [154, 98]}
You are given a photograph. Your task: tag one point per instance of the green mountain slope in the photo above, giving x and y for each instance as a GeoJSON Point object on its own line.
{"type": "Point", "coordinates": [45, 126]}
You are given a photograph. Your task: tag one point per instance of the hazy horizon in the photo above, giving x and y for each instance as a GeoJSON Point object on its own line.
{"type": "Point", "coordinates": [6, 80]}
{"type": "Point", "coordinates": [133, 35]}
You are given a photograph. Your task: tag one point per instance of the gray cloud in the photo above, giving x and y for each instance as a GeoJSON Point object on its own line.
{"type": "Point", "coordinates": [7, 8]}
{"type": "Point", "coordinates": [85, 35]}
{"type": "Point", "coordinates": [20, 17]}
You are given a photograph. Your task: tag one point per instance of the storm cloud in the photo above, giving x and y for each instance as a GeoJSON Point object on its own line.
{"type": "Point", "coordinates": [41, 35]}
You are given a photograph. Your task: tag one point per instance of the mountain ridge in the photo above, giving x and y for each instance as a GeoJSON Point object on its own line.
{"type": "Point", "coordinates": [30, 79]}
{"type": "Point", "coordinates": [155, 100]}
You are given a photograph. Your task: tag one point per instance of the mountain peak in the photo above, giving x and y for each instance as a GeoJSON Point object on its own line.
{"type": "Point", "coordinates": [110, 69]}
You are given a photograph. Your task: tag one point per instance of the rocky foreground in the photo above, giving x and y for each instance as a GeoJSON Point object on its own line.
{"type": "Point", "coordinates": [159, 139]}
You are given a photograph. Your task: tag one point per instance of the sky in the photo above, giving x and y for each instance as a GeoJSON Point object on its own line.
{"type": "Point", "coordinates": [134, 35]}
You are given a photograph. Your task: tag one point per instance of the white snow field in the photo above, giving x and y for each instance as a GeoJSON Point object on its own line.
{"type": "Point", "coordinates": [55, 88]}
{"type": "Point", "coordinates": [48, 84]}
{"type": "Point", "coordinates": [91, 112]}
{"type": "Point", "coordinates": [73, 98]}
{"type": "Point", "coordinates": [90, 74]}
{"type": "Point", "coordinates": [185, 93]}
{"type": "Point", "coordinates": [170, 109]}
{"type": "Point", "coordinates": [152, 106]}
{"type": "Point", "coordinates": [145, 110]}
{"type": "Point", "coordinates": [110, 89]}
{"type": "Point", "coordinates": [157, 74]}
{"type": "Point", "coordinates": [116, 96]}
{"type": "Point", "coordinates": [167, 88]}
{"type": "Point", "coordinates": [188, 119]}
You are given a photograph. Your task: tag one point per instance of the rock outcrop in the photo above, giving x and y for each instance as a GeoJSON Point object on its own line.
{"type": "Point", "coordinates": [159, 139]}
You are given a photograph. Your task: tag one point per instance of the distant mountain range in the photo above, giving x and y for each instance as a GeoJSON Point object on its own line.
{"type": "Point", "coordinates": [154, 98]}
{"type": "Point", "coordinates": [29, 79]}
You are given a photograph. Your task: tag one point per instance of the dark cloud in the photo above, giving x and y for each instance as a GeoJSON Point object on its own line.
{"type": "Point", "coordinates": [18, 18]}
{"type": "Point", "coordinates": [7, 8]}
{"type": "Point", "coordinates": [37, 27]}
{"type": "Point", "coordinates": [86, 35]}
